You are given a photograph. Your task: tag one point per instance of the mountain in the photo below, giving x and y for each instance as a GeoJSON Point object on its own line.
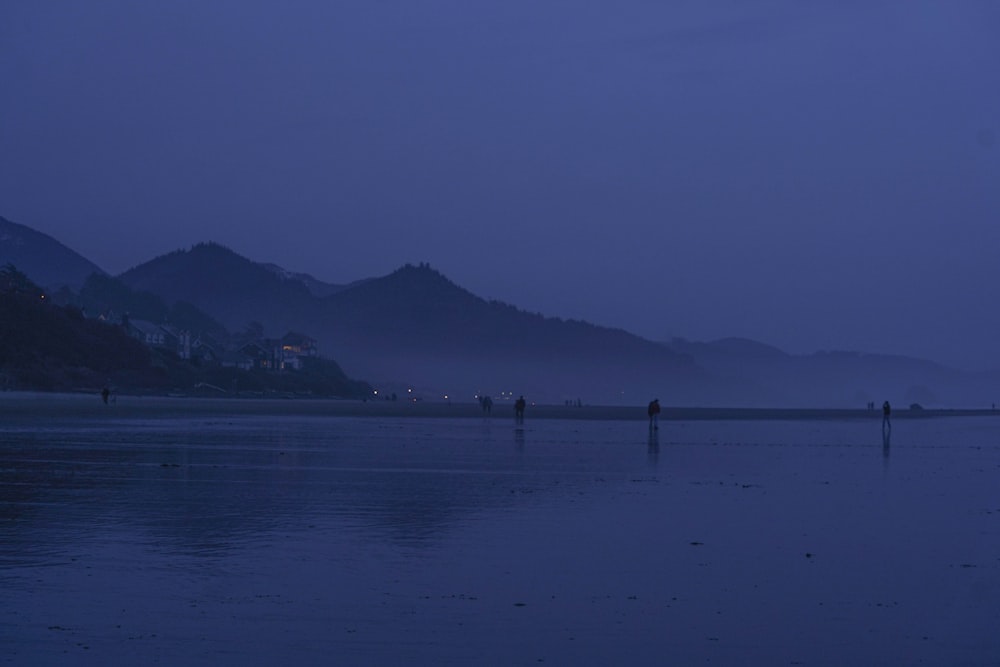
{"type": "Point", "coordinates": [231, 288]}
{"type": "Point", "coordinates": [414, 328]}
{"type": "Point", "coordinates": [417, 323]}
{"type": "Point", "coordinates": [42, 258]}
{"type": "Point", "coordinates": [418, 328]}
{"type": "Point", "coordinates": [49, 347]}
{"type": "Point", "coordinates": [766, 376]}
{"type": "Point", "coordinates": [106, 295]}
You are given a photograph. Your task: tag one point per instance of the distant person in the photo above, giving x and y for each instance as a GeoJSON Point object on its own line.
{"type": "Point", "coordinates": [886, 411]}
{"type": "Point", "coordinates": [519, 409]}
{"type": "Point", "coordinates": [487, 404]}
{"type": "Point", "coordinates": [654, 414]}
{"type": "Point", "coordinates": [105, 393]}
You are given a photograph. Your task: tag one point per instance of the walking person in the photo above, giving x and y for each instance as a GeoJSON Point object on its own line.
{"type": "Point", "coordinates": [886, 411]}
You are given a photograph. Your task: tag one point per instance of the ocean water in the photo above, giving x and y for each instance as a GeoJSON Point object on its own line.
{"type": "Point", "coordinates": [239, 540]}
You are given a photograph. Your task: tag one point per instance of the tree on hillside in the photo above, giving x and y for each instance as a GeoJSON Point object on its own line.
{"type": "Point", "coordinates": [101, 293]}
{"type": "Point", "coordinates": [14, 281]}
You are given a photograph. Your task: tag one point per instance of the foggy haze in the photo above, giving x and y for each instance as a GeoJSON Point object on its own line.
{"type": "Point", "coordinates": [810, 177]}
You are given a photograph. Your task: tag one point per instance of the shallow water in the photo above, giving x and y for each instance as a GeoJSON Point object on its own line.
{"type": "Point", "coordinates": [335, 540]}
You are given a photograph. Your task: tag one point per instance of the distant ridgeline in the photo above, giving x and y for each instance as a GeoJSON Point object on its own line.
{"type": "Point", "coordinates": [51, 346]}
{"type": "Point", "coordinates": [207, 319]}
{"type": "Point", "coordinates": [40, 256]}
{"type": "Point", "coordinates": [415, 326]}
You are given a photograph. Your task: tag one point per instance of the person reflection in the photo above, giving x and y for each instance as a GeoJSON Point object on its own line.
{"type": "Point", "coordinates": [519, 439]}
{"type": "Point", "coordinates": [653, 448]}
{"type": "Point", "coordinates": [886, 435]}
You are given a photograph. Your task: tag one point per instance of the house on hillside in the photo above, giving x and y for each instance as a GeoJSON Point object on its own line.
{"type": "Point", "coordinates": [177, 340]}
{"type": "Point", "coordinates": [293, 348]}
{"type": "Point", "coordinates": [171, 337]}
{"type": "Point", "coordinates": [259, 355]}
{"type": "Point", "coordinates": [264, 354]}
{"type": "Point", "coordinates": [146, 332]}
{"type": "Point", "coordinates": [236, 359]}
{"type": "Point", "coordinates": [205, 350]}
{"type": "Point", "coordinates": [162, 336]}
{"type": "Point", "coordinates": [110, 316]}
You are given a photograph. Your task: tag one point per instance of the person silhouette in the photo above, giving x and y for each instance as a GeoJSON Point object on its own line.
{"type": "Point", "coordinates": [886, 411]}
{"type": "Point", "coordinates": [654, 414]}
{"type": "Point", "coordinates": [519, 409]}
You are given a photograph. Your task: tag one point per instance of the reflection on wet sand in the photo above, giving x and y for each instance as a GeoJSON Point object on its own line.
{"type": "Point", "coordinates": [886, 437]}
{"type": "Point", "coordinates": [233, 539]}
{"type": "Point", "coordinates": [653, 447]}
{"type": "Point", "coordinates": [225, 483]}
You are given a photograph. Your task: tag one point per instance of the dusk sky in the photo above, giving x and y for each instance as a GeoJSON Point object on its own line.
{"type": "Point", "coordinates": [810, 175]}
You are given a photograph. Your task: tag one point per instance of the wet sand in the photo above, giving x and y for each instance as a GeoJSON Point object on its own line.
{"type": "Point", "coordinates": [40, 405]}
{"type": "Point", "coordinates": [173, 531]}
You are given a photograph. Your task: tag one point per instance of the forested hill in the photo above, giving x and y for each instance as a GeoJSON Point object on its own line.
{"type": "Point", "coordinates": [49, 347]}
{"type": "Point", "coordinates": [416, 310]}
{"type": "Point", "coordinates": [418, 323]}
{"type": "Point", "coordinates": [417, 326]}
{"type": "Point", "coordinates": [229, 287]}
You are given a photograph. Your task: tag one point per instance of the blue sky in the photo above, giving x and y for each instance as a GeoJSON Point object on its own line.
{"type": "Point", "coordinates": [812, 175]}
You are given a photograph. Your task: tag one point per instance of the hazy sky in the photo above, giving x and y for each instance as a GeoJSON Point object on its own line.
{"type": "Point", "coordinates": [816, 175]}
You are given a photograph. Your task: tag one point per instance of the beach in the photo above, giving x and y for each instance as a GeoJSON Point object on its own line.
{"type": "Point", "coordinates": [232, 532]}
{"type": "Point", "coordinates": [88, 405]}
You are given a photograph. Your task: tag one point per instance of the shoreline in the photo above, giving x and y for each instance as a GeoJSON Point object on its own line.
{"type": "Point", "coordinates": [35, 404]}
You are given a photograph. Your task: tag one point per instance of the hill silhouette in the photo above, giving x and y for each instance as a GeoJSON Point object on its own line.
{"type": "Point", "coordinates": [49, 347]}
{"type": "Point", "coordinates": [760, 375]}
{"type": "Point", "coordinates": [231, 288]}
{"type": "Point", "coordinates": [415, 326]}
{"type": "Point", "coordinates": [417, 322]}
{"type": "Point", "coordinates": [44, 259]}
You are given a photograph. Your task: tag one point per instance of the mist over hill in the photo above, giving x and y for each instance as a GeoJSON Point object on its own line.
{"type": "Point", "coordinates": [415, 328]}
{"type": "Point", "coordinates": [315, 286]}
{"type": "Point", "coordinates": [840, 378]}
{"type": "Point", "coordinates": [417, 320]}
